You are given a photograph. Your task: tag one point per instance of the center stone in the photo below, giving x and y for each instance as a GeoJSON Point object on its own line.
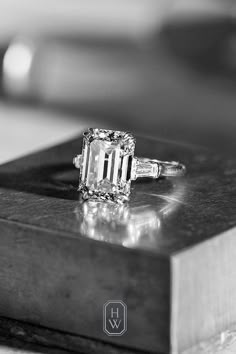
{"type": "Point", "coordinates": [106, 166]}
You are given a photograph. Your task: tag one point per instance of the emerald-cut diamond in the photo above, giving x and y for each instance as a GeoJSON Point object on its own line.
{"type": "Point", "coordinates": [105, 164]}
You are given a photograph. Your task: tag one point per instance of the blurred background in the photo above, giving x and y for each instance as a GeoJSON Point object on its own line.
{"type": "Point", "coordinates": [162, 68]}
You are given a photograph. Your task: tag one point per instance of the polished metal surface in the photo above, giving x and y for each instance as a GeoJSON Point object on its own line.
{"type": "Point", "coordinates": [138, 225]}
{"type": "Point", "coordinates": [178, 213]}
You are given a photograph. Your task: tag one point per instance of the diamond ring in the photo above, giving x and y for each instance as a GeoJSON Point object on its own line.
{"type": "Point", "coordinates": [108, 165]}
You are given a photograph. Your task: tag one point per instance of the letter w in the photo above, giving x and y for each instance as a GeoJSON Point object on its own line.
{"type": "Point", "coordinates": [114, 323]}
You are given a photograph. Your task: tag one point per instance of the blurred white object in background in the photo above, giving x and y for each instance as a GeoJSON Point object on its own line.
{"type": "Point", "coordinates": [67, 72]}
{"type": "Point", "coordinates": [17, 64]}
{"type": "Point", "coordinates": [132, 19]}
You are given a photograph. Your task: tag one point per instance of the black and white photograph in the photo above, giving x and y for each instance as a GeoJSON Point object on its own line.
{"type": "Point", "coordinates": [118, 177]}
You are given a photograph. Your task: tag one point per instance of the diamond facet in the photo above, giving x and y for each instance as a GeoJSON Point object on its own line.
{"type": "Point", "coordinates": [106, 162]}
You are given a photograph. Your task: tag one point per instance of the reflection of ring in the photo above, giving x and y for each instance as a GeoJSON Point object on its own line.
{"type": "Point", "coordinates": [107, 165]}
{"type": "Point", "coordinates": [137, 225]}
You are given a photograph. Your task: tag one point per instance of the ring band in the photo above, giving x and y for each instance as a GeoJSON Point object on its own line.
{"type": "Point", "coordinates": [108, 165]}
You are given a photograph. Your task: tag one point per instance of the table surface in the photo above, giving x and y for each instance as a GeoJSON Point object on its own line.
{"type": "Point", "coordinates": [25, 129]}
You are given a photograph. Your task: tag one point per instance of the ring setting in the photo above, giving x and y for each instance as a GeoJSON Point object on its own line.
{"type": "Point", "coordinates": [107, 165]}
